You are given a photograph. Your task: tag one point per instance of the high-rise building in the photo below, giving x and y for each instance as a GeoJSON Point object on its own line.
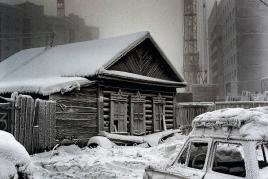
{"type": "Point", "coordinates": [241, 28]}
{"type": "Point", "coordinates": [195, 62]}
{"type": "Point", "coordinates": [11, 26]}
{"type": "Point", "coordinates": [216, 68]}
{"type": "Point", "coordinates": [25, 26]}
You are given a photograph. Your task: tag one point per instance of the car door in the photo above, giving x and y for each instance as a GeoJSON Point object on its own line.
{"type": "Point", "coordinates": [227, 161]}
{"type": "Point", "coordinates": [192, 160]}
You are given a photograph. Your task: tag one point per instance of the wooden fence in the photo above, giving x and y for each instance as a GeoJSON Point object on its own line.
{"type": "Point", "coordinates": [32, 122]}
{"type": "Point", "coordinates": [186, 112]}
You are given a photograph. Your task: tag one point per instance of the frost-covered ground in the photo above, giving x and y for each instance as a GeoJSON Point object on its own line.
{"type": "Point", "coordinates": [118, 162]}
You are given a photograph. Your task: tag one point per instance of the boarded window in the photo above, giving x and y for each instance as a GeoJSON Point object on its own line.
{"type": "Point", "coordinates": [118, 118]}
{"type": "Point", "coordinates": [138, 126]}
{"type": "Point", "coordinates": [158, 112]}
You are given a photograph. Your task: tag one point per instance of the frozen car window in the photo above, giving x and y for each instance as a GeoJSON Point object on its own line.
{"type": "Point", "coordinates": [182, 159]}
{"type": "Point", "coordinates": [229, 159]}
{"type": "Point", "coordinates": [262, 152]}
{"type": "Point", "coordinates": [197, 156]}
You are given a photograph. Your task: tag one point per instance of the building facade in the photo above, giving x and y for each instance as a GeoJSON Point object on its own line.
{"type": "Point", "coordinates": [242, 48]}
{"type": "Point", "coordinates": [25, 26]}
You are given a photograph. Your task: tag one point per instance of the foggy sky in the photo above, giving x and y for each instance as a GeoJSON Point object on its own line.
{"type": "Point", "coordinates": [163, 18]}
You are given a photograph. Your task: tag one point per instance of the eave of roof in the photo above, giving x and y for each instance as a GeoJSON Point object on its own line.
{"type": "Point", "coordinates": [125, 76]}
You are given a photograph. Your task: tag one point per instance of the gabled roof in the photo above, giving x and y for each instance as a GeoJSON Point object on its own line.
{"type": "Point", "coordinates": [82, 59]}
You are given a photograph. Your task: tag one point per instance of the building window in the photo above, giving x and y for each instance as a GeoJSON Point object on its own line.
{"type": "Point", "coordinates": [137, 114]}
{"type": "Point", "coordinates": [118, 120]}
{"type": "Point", "coordinates": [158, 113]}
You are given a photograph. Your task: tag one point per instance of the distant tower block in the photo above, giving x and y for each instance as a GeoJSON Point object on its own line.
{"type": "Point", "coordinates": [60, 8]}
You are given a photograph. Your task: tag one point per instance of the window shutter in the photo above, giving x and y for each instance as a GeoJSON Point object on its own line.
{"type": "Point", "coordinates": [159, 123]}
{"type": "Point", "coordinates": [137, 116]}
{"type": "Point", "coordinates": [118, 119]}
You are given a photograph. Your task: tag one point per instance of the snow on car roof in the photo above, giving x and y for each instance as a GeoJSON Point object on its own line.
{"type": "Point", "coordinates": [244, 123]}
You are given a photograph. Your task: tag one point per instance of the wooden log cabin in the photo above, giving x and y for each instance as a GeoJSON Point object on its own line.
{"type": "Point", "coordinates": [121, 85]}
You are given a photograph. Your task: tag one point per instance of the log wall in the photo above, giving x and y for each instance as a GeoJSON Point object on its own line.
{"type": "Point", "coordinates": [169, 108]}
{"type": "Point", "coordinates": [76, 114]}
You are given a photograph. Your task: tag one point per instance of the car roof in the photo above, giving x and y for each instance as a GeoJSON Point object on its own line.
{"type": "Point", "coordinates": [233, 123]}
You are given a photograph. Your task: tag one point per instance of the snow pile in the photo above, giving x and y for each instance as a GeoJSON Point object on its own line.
{"type": "Point", "coordinates": [117, 162]}
{"type": "Point", "coordinates": [252, 123]}
{"type": "Point", "coordinates": [13, 157]}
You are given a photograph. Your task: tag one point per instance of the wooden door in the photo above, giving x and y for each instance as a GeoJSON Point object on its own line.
{"type": "Point", "coordinates": [159, 114]}
{"type": "Point", "coordinates": [138, 126]}
{"type": "Point", "coordinates": [118, 122]}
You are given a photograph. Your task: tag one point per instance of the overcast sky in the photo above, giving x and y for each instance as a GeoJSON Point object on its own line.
{"type": "Point", "coordinates": [163, 18]}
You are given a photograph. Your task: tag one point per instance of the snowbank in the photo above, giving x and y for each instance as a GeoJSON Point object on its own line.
{"type": "Point", "coordinates": [13, 157]}
{"type": "Point", "coordinates": [252, 123]}
{"type": "Point", "coordinates": [117, 162]}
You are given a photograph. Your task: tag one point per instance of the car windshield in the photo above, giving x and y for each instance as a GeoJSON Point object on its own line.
{"type": "Point", "coordinates": [262, 152]}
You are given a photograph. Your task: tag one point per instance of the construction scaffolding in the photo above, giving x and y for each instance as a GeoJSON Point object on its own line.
{"type": "Point", "coordinates": [191, 56]}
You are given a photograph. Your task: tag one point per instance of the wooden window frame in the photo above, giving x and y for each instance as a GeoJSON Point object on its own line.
{"type": "Point", "coordinates": [156, 101]}
{"type": "Point", "coordinates": [134, 99]}
{"type": "Point", "coordinates": [118, 97]}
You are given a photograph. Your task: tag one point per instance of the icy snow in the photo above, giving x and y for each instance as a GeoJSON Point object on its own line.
{"type": "Point", "coordinates": [44, 86]}
{"type": "Point", "coordinates": [252, 123]}
{"type": "Point", "coordinates": [117, 162]}
{"type": "Point", "coordinates": [127, 75]}
{"type": "Point", "coordinates": [12, 154]}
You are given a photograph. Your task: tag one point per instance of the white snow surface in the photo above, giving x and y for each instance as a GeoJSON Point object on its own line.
{"type": "Point", "coordinates": [44, 86]}
{"type": "Point", "coordinates": [252, 123]}
{"type": "Point", "coordinates": [13, 157]}
{"type": "Point", "coordinates": [136, 76]}
{"type": "Point", "coordinates": [117, 162]}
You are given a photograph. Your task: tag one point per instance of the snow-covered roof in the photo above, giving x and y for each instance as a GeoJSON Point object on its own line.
{"type": "Point", "coordinates": [246, 123]}
{"type": "Point", "coordinates": [137, 77]}
{"type": "Point", "coordinates": [44, 86]}
{"type": "Point", "coordinates": [83, 59]}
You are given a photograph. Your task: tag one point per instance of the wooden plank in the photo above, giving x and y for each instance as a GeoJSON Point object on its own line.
{"type": "Point", "coordinates": [75, 123]}
{"type": "Point", "coordinates": [12, 117]}
{"type": "Point", "coordinates": [22, 119]}
{"type": "Point", "coordinates": [77, 109]}
{"type": "Point", "coordinates": [89, 116]}
{"type": "Point", "coordinates": [41, 116]}
{"type": "Point", "coordinates": [53, 124]}
{"type": "Point", "coordinates": [36, 128]}
{"type": "Point", "coordinates": [28, 122]}
{"type": "Point", "coordinates": [100, 109]}
{"type": "Point", "coordinates": [46, 122]}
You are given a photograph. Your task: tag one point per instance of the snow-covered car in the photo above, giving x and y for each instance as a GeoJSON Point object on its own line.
{"type": "Point", "coordinates": [15, 161]}
{"type": "Point", "coordinates": [108, 140]}
{"type": "Point", "coordinates": [224, 144]}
